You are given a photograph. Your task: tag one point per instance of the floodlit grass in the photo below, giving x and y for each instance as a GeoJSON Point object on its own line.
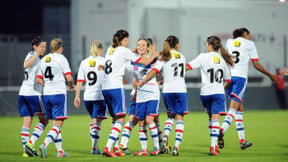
{"type": "Point", "coordinates": [267, 130]}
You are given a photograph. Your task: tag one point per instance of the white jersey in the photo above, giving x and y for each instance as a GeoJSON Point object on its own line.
{"type": "Point", "coordinates": [243, 50]}
{"type": "Point", "coordinates": [213, 70]}
{"type": "Point", "coordinates": [173, 73]}
{"type": "Point", "coordinates": [115, 62]}
{"type": "Point", "coordinates": [150, 90]}
{"type": "Point", "coordinates": [29, 86]}
{"type": "Point", "coordinates": [89, 73]}
{"type": "Point", "coordinates": [52, 69]}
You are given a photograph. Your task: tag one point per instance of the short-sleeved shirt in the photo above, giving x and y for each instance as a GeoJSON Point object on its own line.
{"type": "Point", "coordinates": [214, 70]}
{"type": "Point", "coordinates": [244, 50]}
{"type": "Point", "coordinates": [89, 73]}
{"type": "Point", "coordinates": [173, 73]}
{"type": "Point", "coordinates": [114, 68]}
{"type": "Point", "coordinates": [53, 68]}
{"type": "Point", "coordinates": [29, 86]}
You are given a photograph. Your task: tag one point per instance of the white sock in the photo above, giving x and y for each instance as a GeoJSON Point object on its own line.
{"type": "Point", "coordinates": [143, 137]}
{"type": "Point", "coordinates": [51, 135]}
{"type": "Point", "coordinates": [179, 132]}
{"type": "Point", "coordinates": [114, 135]}
{"type": "Point", "coordinates": [154, 135]}
{"type": "Point", "coordinates": [159, 132]}
{"type": "Point", "coordinates": [95, 135]}
{"type": "Point", "coordinates": [214, 132]}
{"type": "Point", "coordinates": [58, 143]}
{"type": "Point", "coordinates": [168, 127]}
{"type": "Point", "coordinates": [126, 134]}
{"type": "Point", "coordinates": [24, 136]}
{"type": "Point", "coordinates": [228, 120]}
{"type": "Point", "coordinates": [37, 132]}
{"type": "Point", "coordinates": [240, 126]}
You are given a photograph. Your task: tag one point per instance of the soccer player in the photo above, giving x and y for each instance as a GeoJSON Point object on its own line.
{"type": "Point", "coordinates": [172, 63]}
{"type": "Point", "coordinates": [54, 68]}
{"type": "Point", "coordinates": [93, 98]}
{"type": "Point", "coordinates": [243, 49]}
{"type": "Point", "coordinates": [214, 70]}
{"type": "Point", "coordinates": [112, 87]}
{"type": "Point", "coordinates": [30, 99]}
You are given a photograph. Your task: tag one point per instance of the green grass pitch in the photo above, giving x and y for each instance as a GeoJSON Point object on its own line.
{"type": "Point", "coordinates": [268, 130]}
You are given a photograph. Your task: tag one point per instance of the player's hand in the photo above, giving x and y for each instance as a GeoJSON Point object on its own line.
{"type": "Point", "coordinates": [274, 79]}
{"type": "Point", "coordinates": [284, 71]}
{"type": "Point", "coordinates": [77, 102]}
{"type": "Point", "coordinates": [100, 67]}
{"type": "Point", "coordinates": [71, 87]}
{"type": "Point", "coordinates": [133, 98]}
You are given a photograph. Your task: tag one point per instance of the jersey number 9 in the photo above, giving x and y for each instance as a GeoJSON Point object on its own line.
{"type": "Point", "coordinates": [92, 77]}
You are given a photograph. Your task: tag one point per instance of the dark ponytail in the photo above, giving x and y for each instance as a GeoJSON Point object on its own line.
{"type": "Point", "coordinates": [239, 32]}
{"type": "Point", "coordinates": [118, 37]}
{"type": "Point", "coordinates": [216, 44]}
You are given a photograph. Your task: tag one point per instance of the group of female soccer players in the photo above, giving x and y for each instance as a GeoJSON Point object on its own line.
{"type": "Point", "coordinates": [104, 89]}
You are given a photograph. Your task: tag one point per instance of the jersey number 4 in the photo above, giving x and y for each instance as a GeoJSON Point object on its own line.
{"type": "Point", "coordinates": [48, 73]}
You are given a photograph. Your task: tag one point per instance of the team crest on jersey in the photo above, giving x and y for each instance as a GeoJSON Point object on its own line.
{"type": "Point", "coordinates": [135, 67]}
{"type": "Point", "coordinates": [216, 60]}
{"type": "Point", "coordinates": [176, 55]}
{"type": "Point", "coordinates": [47, 59]}
{"type": "Point", "coordinates": [92, 63]}
{"type": "Point", "coordinates": [237, 43]}
{"type": "Point", "coordinates": [111, 50]}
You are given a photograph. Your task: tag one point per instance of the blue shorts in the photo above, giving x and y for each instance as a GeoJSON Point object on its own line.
{"type": "Point", "coordinates": [132, 107]}
{"type": "Point", "coordinates": [30, 105]}
{"type": "Point", "coordinates": [56, 106]}
{"type": "Point", "coordinates": [237, 88]}
{"type": "Point", "coordinates": [148, 108]}
{"type": "Point", "coordinates": [115, 100]}
{"type": "Point", "coordinates": [176, 103]}
{"type": "Point", "coordinates": [96, 109]}
{"type": "Point", "coordinates": [214, 104]}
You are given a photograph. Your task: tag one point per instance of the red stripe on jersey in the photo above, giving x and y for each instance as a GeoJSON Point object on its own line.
{"type": "Point", "coordinates": [179, 130]}
{"type": "Point", "coordinates": [238, 120]}
{"type": "Point", "coordinates": [190, 67]}
{"type": "Point", "coordinates": [80, 80]}
{"type": "Point", "coordinates": [116, 129]}
{"type": "Point", "coordinates": [255, 59]}
{"type": "Point", "coordinates": [128, 128]}
{"type": "Point", "coordinates": [215, 127]}
{"type": "Point", "coordinates": [138, 60]}
{"type": "Point", "coordinates": [24, 134]}
{"type": "Point", "coordinates": [156, 70]}
{"type": "Point", "coordinates": [68, 73]}
{"type": "Point", "coordinates": [39, 76]}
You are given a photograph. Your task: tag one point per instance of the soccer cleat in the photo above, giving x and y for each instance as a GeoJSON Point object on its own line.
{"type": "Point", "coordinates": [141, 153]}
{"type": "Point", "coordinates": [213, 152]}
{"type": "Point", "coordinates": [175, 151]}
{"type": "Point", "coordinates": [43, 151]}
{"type": "Point", "coordinates": [108, 153]}
{"type": "Point", "coordinates": [95, 151]}
{"type": "Point", "coordinates": [125, 150]}
{"type": "Point", "coordinates": [118, 152]}
{"type": "Point", "coordinates": [25, 155]}
{"type": "Point", "coordinates": [217, 149]}
{"type": "Point", "coordinates": [245, 145]}
{"type": "Point", "coordinates": [155, 152]}
{"type": "Point", "coordinates": [165, 145]}
{"type": "Point", "coordinates": [30, 150]}
{"type": "Point", "coordinates": [62, 154]}
{"type": "Point", "coordinates": [221, 139]}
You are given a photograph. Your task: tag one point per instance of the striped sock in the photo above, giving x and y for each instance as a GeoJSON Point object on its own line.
{"type": "Point", "coordinates": [95, 134]}
{"type": "Point", "coordinates": [159, 132]}
{"type": "Point", "coordinates": [209, 125]}
{"type": "Point", "coordinates": [143, 137]}
{"type": "Point", "coordinates": [228, 120]}
{"type": "Point", "coordinates": [51, 135]}
{"type": "Point", "coordinates": [126, 134]}
{"type": "Point", "coordinates": [37, 132]}
{"type": "Point", "coordinates": [58, 143]}
{"type": "Point", "coordinates": [214, 132]}
{"type": "Point", "coordinates": [168, 127]}
{"type": "Point", "coordinates": [154, 135]}
{"type": "Point", "coordinates": [24, 136]}
{"type": "Point", "coordinates": [240, 126]}
{"type": "Point", "coordinates": [179, 132]}
{"type": "Point", "coordinates": [114, 134]}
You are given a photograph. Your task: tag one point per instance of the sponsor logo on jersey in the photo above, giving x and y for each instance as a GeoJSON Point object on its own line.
{"type": "Point", "coordinates": [237, 43]}
{"type": "Point", "coordinates": [176, 55]}
{"type": "Point", "coordinates": [216, 60]}
{"type": "Point", "coordinates": [111, 50]}
{"type": "Point", "coordinates": [92, 63]}
{"type": "Point", "coordinates": [135, 67]}
{"type": "Point", "coordinates": [47, 59]}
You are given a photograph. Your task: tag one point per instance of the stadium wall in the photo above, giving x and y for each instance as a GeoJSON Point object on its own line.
{"type": "Point", "coordinates": [263, 98]}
